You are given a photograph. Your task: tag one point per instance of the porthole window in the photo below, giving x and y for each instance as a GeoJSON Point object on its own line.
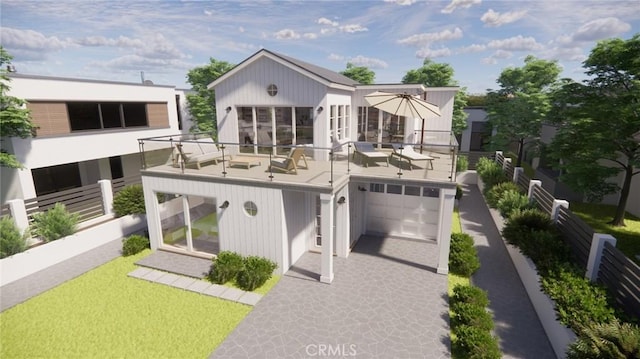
{"type": "Point", "coordinates": [272, 90]}
{"type": "Point", "coordinates": [250, 208]}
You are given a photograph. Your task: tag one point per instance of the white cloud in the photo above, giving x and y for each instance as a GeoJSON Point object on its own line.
{"type": "Point", "coordinates": [369, 62]}
{"type": "Point", "coordinates": [495, 19]}
{"type": "Point", "coordinates": [498, 55]}
{"type": "Point", "coordinates": [310, 35]}
{"type": "Point", "coordinates": [472, 48]}
{"type": "Point", "coordinates": [353, 28]}
{"type": "Point", "coordinates": [569, 53]}
{"type": "Point", "coordinates": [241, 29]}
{"type": "Point", "coordinates": [462, 4]}
{"type": "Point", "coordinates": [327, 31]}
{"type": "Point", "coordinates": [31, 40]}
{"type": "Point", "coordinates": [425, 39]}
{"type": "Point", "coordinates": [121, 41]}
{"type": "Point", "coordinates": [600, 29]}
{"type": "Point", "coordinates": [402, 2]}
{"type": "Point", "coordinates": [287, 34]}
{"type": "Point", "coordinates": [208, 12]}
{"type": "Point", "coordinates": [335, 57]}
{"type": "Point", "coordinates": [516, 43]}
{"type": "Point", "coordinates": [325, 21]}
{"type": "Point", "coordinates": [137, 62]}
{"type": "Point", "coordinates": [432, 54]}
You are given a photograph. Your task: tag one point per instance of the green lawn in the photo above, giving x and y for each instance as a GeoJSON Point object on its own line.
{"type": "Point", "coordinates": [104, 313]}
{"type": "Point", "coordinates": [597, 216]}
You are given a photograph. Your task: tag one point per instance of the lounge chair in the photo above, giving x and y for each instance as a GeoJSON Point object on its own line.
{"type": "Point", "coordinates": [407, 153]}
{"type": "Point", "coordinates": [368, 153]}
{"type": "Point", "coordinates": [290, 164]}
{"type": "Point", "coordinates": [340, 148]}
{"type": "Point", "coordinates": [197, 153]}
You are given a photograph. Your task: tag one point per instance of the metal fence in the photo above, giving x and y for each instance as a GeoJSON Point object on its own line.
{"type": "Point", "coordinates": [5, 210]}
{"type": "Point", "coordinates": [523, 182]}
{"type": "Point", "coordinates": [578, 235]}
{"type": "Point", "coordinates": [543, 199]}
{"type": "Point", "coordinates": [118, 184]}
{"type": "Point", "coordinates": [86, 201]}
{"type": "Point", "coordinates": [621, 276]}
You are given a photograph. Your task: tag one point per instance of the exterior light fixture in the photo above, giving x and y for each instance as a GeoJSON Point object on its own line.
{"type": "Point", "coordinates": [320, 109]}
{"type": "Point", "coordinates": [341, 200]}
{"type": "Point", "coordinates": [228, 109]}
{"type": "Point", "coordinates": [224, 205]}
{"type": "Point", "coordinates": [362, 189]}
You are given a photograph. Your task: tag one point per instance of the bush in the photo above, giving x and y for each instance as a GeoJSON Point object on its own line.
{"type": "Point", "coordinates": [459, 191]}
{"type": "Point", "coordinates": [494, 194]}
{"type": "Point", "coordinates": [134, 244]}
{"type": "Point", "coordinates": [463, 258]}
{"type": "Point", "coordinates": [606, 340]}
{"type": "Point", "coordinates": [483, 164]}
{"type": "Point", "coordinates": [512, 201]}
{"type": "Point", "coordinates": [256, 272]}
{"type": "Point", "coordinates": [471, 315]}
{"type": "Point", "coordinates": [577, 300]}
{"type": "Point", "coordinates": [462, 164]}
{"type": "Point", "coordinates": [130, 200]}
{"type": "Point", "coordinates": [225, 267]}
{"type": "Point", "coordinates": [11, 241]}
{"type": "Point", "coordinates": [469, 294]}
{"type": "Point", "coordinates": [477, 343]}
{"type": "Point", "coordinates": [55, 223]}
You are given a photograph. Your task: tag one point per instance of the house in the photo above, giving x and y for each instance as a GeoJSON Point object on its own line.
{"type": "Point", "coordinates": [87, 130]}
{"type": "Point", "coordinates": [269, 105]}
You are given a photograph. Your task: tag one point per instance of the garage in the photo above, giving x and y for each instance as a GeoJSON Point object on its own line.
{"type": "Point", "coordinates": [403, 210]}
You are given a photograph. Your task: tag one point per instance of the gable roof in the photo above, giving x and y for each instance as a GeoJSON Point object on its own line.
{"type": "Point", "coordinates": [320, 74]}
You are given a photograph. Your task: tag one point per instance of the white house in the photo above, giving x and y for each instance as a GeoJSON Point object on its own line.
{"type": "Point", "coordinates": [87, 130]}
{"type": "Point", "coordinates": [268, 105]}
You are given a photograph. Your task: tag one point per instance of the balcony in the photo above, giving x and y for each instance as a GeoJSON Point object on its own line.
{"type": "Point", "coordinates": [325, 167]}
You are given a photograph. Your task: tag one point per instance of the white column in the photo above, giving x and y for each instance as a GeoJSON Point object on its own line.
{"type": "Point", "coordinates": [595, 254]}
{"type": "Point", "coordinates": [342, 226]}
{"type": "Point", "coordinates": [154, 225]}
{"type": "Point", "coordinates": [447, 198]}
{"type": "Point", "coordinates": [326, 212]}
{"type": "Point", "coordinates": [506, 161]}
{"type": "Point", "coordinates": [555, 208]}
{"type": "Point", "coordinates": [187, 222]}
{"type": "Point", "coordinates": [517, 172]}
{"type": "Point", "coordinates": [533, 183]}
{"type": "Point", "coordinates": [19, 214]}
{"type": "Point", "coordinates": [107, 196]}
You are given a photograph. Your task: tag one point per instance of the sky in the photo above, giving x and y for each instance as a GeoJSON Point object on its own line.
{"type": "Point", "coordinates": [162, 40]}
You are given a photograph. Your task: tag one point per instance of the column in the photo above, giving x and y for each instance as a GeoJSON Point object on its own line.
{"type": "Point", "coordinates": [107, 196]}
{"type": "Point", "coordinates": [447, 198]}
{"type": "Point", "coordinates": [326, 211]}
{"type": "Point", "coordinates": [595, 254]}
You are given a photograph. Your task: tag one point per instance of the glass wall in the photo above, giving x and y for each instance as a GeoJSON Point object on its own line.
{"type": "Point", "coordinates": [256, 128]}
{"type": "Point", "coordinates": [193, 231]}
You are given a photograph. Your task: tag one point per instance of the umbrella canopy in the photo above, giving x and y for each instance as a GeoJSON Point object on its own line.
{"type": "Point", "coordinates": [402, 104]}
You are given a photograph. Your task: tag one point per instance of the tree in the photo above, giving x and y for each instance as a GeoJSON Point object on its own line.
{"type": "Point", "coordinates": [597, 120]}
{"type": "Point", "coordinates": [359, 73]}
{"type": "Point", "coordinates": [433, 74]}
{"type": "Point", "coordinates": [516, 111]}
{"type": "Point", "coordinates": [202, 104]}
{"type": "Point", "coordinates": [15, 120]}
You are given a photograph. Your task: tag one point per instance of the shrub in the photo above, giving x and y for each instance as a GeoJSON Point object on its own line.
{"type": "Point", "coordinates": [130, 200]}
{"type": "Point", "coordinates": [225, 267]}
{"type": "Point", "coordinates": [477, 343]}
{"type": "Point", "coordinates": [459, 191]}
{"type": "Point", "coordinates": [55, 223]}
{"type": "Point", "coordinates": [462, 164]}
{"type": "Point", "coordinates": [493, 194]}
{"type": "Point", "coordinates": [483, 164]}
{"type": "Point", "coordinates": [11, 241]}
{"type": "Point", "coordinates": [471, 315]}
{"type": "Point", "coordinates": [577, 300]}
{"type": "Point", "coordinates": [606, 340]}
{"type": "Point", "coordinates": [256, 272]}
{"type": "Point", "coordinates": [134, 244]}
{"type": "Point", "coordinates": [469, 294]}
{"type": "Point", "coordinates": [463, 258]}
{"type": "Point", "coordinates": [512, 201]}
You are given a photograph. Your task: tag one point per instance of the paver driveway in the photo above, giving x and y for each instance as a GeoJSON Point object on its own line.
{"type": "Point", "coordinates": [385, 301]}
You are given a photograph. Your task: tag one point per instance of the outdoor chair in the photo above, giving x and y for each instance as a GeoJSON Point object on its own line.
{"type": "Point", "coordinates": [407, 153]}
{"type": "Point", "coordinates": [368, 153]}
{"type": "Point", "coordinates": [197, 153]}
{"type": "Point", "coordinates": [290, 164]}
{"type": "Point", "coordinates": [340, 148]}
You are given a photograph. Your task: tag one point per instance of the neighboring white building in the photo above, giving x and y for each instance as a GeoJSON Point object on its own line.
{"type": "Point", "coordinates": [86, 131]}
{"type": "Point", "coordinates": [476, 135]}
{"type": "Point", "coordinates": [268, 104]}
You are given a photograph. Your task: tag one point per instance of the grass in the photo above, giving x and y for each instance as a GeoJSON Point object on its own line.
{"type": "Point", "coordinates": [104, 313]}
{"type": "Point", "coordinates": [597, 216]}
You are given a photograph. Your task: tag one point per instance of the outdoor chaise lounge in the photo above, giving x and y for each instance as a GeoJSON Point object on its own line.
{"type": "Point", "coordinates": [340, 148]}
{"type": "Point", "coordinates": [368, 153]}
{"type": "Point", "coordinates": [407, 153]}
{"type": "Point", "coordinates": [199, 152]}
{"type": "Point", "coordinates": [290, 164]}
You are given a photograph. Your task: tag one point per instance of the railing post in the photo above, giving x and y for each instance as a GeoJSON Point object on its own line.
{"type": "Point", "coordinates": [595, 254]}
{"type": "Point", "coordinates": [107, 195]}
{"type": "Point", "coordinates": [532, 184]}
{"type": "Point", "coordinates": [517, 171]}
{"type": "Point", "coordinates": [555, 208]}
{"type": "Point", "coordinates": [19, 214]}
{"type": "Point", "coordinates": [498, 154]}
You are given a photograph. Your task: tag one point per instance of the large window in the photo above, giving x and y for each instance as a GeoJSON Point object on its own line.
{"type": "Point", "coordinates": [104, 115]}
{"type": "Point", "coordinates": [56, 178]}
{"type": "Point", "coordinates": [259, 128]}
{"type": "Point", "coordinates": [304, 125]}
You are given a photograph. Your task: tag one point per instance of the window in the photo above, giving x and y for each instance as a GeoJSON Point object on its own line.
{"type": "Point", "coordinates": [272, 90]}
{"type": "Point", "coordinates": [394, 189]}
{"type": "Point", "coordinates": [332, 121]}
{"type": "Point", "coordinates": [430, 192]}
{"type": "Point", "coordinates": [340, 123]}
{"type": "Point", "coordinates": [56, 178]}
{"type": "Point", "coordinates": [250, 208]}
{"type": "Point", "coordinates": [104, 115]}
{"type": "Point", "coordinates": [376, 187]}
{"type": "Point", "coordinates": [304, 125]}
{"type": "Point", "coordinates": [412, 191]}
{"type": "Point", "coordinates": [135, 114]}
{"type": "Point", "coordinates": [83, 116]}
{"type": "Point", "coordinates": [347, 121]}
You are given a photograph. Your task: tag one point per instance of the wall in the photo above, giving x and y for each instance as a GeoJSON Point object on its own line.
{"type": "Point", "coordinates": [299, 221]}
{"type": "Point", "coordinates": [476, 114]}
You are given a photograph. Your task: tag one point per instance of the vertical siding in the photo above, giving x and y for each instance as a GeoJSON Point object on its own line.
{"type": "Point", "coordinates": [158, 115]}
{"type": "Point", "coordinates": [444, 100]}
{"type": "Point", "coordinates": [50, 117]}
{"type": "Point", "coordinates": [299, 211]}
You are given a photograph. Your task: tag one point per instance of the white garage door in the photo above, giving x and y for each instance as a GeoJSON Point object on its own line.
{"type": "Point", "coordinates": [403, 211]}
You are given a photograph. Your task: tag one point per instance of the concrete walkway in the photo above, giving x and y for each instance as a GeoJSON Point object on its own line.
{"type": "Point", "coordinates": [386, 301]}
{"type": "Point", "coordinates": [516, 322]}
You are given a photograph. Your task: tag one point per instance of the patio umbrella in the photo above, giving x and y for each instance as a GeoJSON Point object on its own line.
{"type": "Point", "coordinates": [403, 104]}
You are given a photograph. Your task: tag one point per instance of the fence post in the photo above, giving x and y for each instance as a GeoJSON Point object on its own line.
{"type": "Point", "coordinates": [107, 195]}
{"type": "Point", "coordinates": [517, 171]}
{"type": "Point", "coordinates": [555, 208]}
{"type": "Point", "coordinates": [19, 214]}
{"type": "Point", "coordinates": [595, 254]}
{"type": "Point", "coordinates": [532, 184]}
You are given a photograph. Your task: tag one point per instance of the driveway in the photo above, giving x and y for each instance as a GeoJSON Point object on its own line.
{"type": "Point", "coordinates": [385, 301]}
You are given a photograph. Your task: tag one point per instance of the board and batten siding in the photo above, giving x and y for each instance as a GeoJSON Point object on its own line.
{"type": "Point", "coordinates": [260, 235]}
{"type": "Point", "coordinates": [444, 100]}
{"type": "Point", "coordinates": [299, 221]}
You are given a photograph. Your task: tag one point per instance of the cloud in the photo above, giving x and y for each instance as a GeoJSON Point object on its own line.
{"type": "Point", "coordinates": [335, 26]}
{"type": "Point", "coordinates": [498, 55]}
{"type": "Point", "coordinates": [353, 28]}
{"type": "Point", "coordinates": [423, 40]}
{"type": "Point", "coordinates": [137, 62]}
{"type": "Point", "coordinates": [369, 62]}
{"type": "Point", "coordinates": [495, 19]}
{"type": "Point", "coordinates": [310, 35]}
{"type": "Point", "coordinates": [516, 43]}
{"type": "Point", "coordinates": [96, 41]}
{"type": "Point", "coordinates": [287, 34]}
{"type": "Point", "coordinates": [600, 29]}
{"type": "Point", "coordinates": [463, 4]}
{"type": "Point", "coordinates": [472, 48]}
{"type": "Point", "coordinates": [335, 57]}
{"type": "Point", "coordinates": [325, 21]}
{"type": "Point", "coordinates": [432, 54]}
{"type": "Point", "coordinates": [31, 40]}
{"type": "Point", "coordinates": [402, 2]}
{"type": "Point", "coordinates": [208, 12]}
{"type": "Point", "coordinates": [155, 46]}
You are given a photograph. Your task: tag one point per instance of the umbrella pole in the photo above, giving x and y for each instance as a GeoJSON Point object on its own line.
{"type": "Point", "coordinates": [422, 136]}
